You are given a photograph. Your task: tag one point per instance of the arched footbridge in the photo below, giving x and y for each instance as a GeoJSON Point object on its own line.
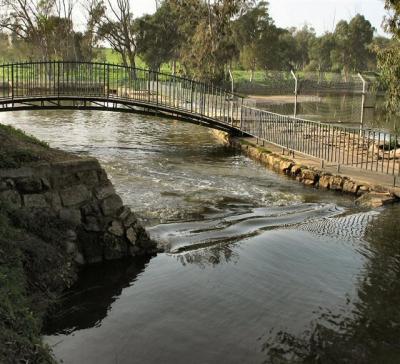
{"type": "Point", "coordinates": [101, 86]}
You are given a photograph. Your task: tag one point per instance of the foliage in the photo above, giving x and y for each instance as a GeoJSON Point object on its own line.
{"type": "Point", "coordinates": [19, 327]}
{"type": "Point", "coordinates": [158, 36]}
{"type": "Point", "coordinates": [351, 52]}
{"type": "Point", "coordinates": [389, 58]}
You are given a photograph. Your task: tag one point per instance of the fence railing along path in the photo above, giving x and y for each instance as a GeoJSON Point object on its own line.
{"type": "Point", "coordinates": [114, 87]}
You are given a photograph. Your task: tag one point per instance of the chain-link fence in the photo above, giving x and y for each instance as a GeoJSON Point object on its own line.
{"type": "Point", "coordinates": [323, 96]}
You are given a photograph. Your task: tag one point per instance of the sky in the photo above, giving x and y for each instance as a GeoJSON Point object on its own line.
{"type": "Point", "coordinates": [322, 15]}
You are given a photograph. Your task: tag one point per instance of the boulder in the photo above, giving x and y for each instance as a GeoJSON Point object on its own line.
{"type": "Point", "coordinates": [71, 215]}
{"type": "Point", "coordinates": [11, 198]}
{"type": "Point", "coordinates": [131, 235]}
{"type": "Point", "coordinates": [350, 186]}
{"type": "Point", "coordinates": [296, 170]}
{"type": "Point", "coordinates": [285, 166]}
{"type": "Point", "coordinates": [29, 185]}
{"type": "Point", "coordinates": [35, 201]}
{"type": "Point", "coordinates": [116, 228]}
{"type": "Point", "coordinates": [103, 192]}
{"type": "Point", "coordinates": [325, 181]}
{"type": "Point", "coordinates": [336, 183]}
{"type": "Point", "coordinates": [375, 199]}
{"type": "Point", "coordinates": [76, 195]}
{"type": "Point", "coordinates": [111, 205]}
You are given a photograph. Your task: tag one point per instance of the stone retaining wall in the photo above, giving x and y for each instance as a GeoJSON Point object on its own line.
{"type": "Point", "coordinates": [367, 195]}
{"type": "Point", "coordinates": [81, 194]}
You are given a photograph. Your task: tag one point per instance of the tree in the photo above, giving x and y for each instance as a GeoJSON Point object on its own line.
{"type": "Point", "coordinates": [210, 48]}
{"type": "Point", "coordinates": [116, 25]}
{"type": "Point", "coordinates": [352, 40]}
{"type": "Point", "coordinates": [250, 32]}
{"type": "Point", "coordinates": [389, 58]}
{"type": "Point", "coordinates": [158, 39]}
{"type": "Point", "coordinates": [320, 53]}
{"type": "Point", "coordinates": [44, 27]}
{"type": "Point", "coordinates": [303, 37]}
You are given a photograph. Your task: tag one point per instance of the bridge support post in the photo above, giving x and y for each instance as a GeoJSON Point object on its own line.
{"type": "Point", "coordinates": [12, 84]}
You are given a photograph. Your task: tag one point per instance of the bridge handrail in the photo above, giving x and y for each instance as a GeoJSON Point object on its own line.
{"type": "Point", "coordinates": [94, 82]}
{"type": "Point", "coordinates": [147, 70]}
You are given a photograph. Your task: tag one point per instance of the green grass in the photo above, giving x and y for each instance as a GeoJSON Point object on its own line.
{"type": "Point", "coordinates": [21, 135]}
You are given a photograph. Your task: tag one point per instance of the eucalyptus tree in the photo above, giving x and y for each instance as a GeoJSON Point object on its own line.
{"type": "Point", "coordinates": [352, 40]}
{"type": "Point", "coordinates": [45, 26]}
{"type": "Point", "coordinates": [389, 57]}
{"type": "Point", "coordinates": [158, 37]}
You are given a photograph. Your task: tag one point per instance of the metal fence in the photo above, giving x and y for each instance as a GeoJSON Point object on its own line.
{"type": "Point", "coordinates": [112, 82]}
{"type": "Point", "coordinates": [32, 84]}
{"type": "Point", "coordinates": [361, 148]}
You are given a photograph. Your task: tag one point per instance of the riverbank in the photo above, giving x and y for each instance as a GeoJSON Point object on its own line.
{"type": "Point", "coordinates": [371, 190]}
{"type": "Point", "coordinates": [58, 212]}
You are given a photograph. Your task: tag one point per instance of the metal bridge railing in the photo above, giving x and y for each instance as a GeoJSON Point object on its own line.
{"type": "Point", "coordinates": [365, 149]}
{"type": "Point", "coordinates": [108, 83]}
{"type": "Point", "coordinates": [116, 82]}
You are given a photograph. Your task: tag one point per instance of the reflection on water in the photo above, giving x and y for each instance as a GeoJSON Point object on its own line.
{"type": "Point", "coordinates": [259, 269]}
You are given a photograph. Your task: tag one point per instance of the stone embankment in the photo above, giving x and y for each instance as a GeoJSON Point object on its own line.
{"type": "Point", "coordinates": [79, 193]}
{"type": "Point", "coordinates": [368, 195]}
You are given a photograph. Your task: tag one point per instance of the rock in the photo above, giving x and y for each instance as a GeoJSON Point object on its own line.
{"type": "Point", "coordinates": [53, 199]}
{"type": "Point", "coordinates": [375, 199]}
{"type": "Point", "coordinates": [336, 183]}
{"type": "Point", "coordinates": [110, 205]}
{"type": "Point", "coordinates": [350, 186]}
{"type": "Point", "coordinates": [29, 185]}
{"type": "Point", "coordinates": [79, 259]}
{"type": "Point", "coordinates": [103, 192]}
{"type": "Point", "coordinates": [71, 215]}
{"type": "Point", "coordinates": [35, 201]}
{"type": "Point", "coordinates": [92, 223]}
{"type": "Point", "coordinates": [11, 198]}
{"type": "Point", "coordinates": [309, 177]}
{"type": "Point", "coordinates": [102, 175]}
{"type": "Point", "coordinates": [116, 228]}
{"type": "Point", "coordinates": [296, 170]}
{"type": "Point", "coordinates": [362, 190]}
{"type": "Point", "coordinates": [46, 183]}
{"type": "Point", "coordinates": [71, 247]}
{"type": "Point", "coordinates": [89, 178]}
{"type": "Point", "coordinates": [91, 209]}
{"type": "Point", "coordinates": [285, 166]}
{"type": "Point", "coordinates": [124, 213]}
{"type": "Point", "coordinates": [131, 235]}
{"type": "Point", "coordinates": [3, 186]}
{"type": "Point", "coordinates": [130, 220]}
{"type": "Point", "coordinates": [75, 195]}
{"type": "Point", "coordinates": [114, 247]}
{"type": "Point", "coordinates": [325, 181]}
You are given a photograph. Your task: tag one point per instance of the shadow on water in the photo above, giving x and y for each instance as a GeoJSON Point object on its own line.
{"type": "Point", "coordinates": [370, 331]}
{"type": "Point", "coordinates": [87, 303]}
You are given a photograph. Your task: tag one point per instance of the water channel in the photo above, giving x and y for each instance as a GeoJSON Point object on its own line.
{"type": "Point", "coordinates": [258, 268]}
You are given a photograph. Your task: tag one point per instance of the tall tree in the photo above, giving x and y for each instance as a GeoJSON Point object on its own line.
{"type": "Point", "coordinates": [158, 38]}
{"type": "Point", "coordinates": [320, 53]}
{"type": "Point", "coordinates": [45, 26]}
{"type": "Point", "coordinates": [352, 40]}
{"type": "Point", "coordinates": [389, 58]}
{"type": "Point", "coordinates": [116, 25]}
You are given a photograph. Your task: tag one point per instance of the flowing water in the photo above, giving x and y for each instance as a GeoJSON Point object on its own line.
{"type": "Point", "coordinates": [258, 268]}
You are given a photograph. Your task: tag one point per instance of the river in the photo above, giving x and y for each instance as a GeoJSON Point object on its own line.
{"type": "Point", "coordinates": [258, 268]}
